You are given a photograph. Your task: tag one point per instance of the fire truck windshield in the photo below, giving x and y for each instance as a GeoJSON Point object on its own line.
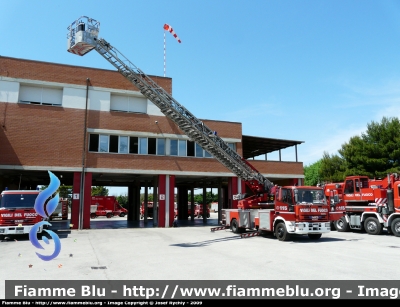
{"type": "Point", "coordinates": [16, 201]}
{"type": "Point", "coordinates": [310, 196]}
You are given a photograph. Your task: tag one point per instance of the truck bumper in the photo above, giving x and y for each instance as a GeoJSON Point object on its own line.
{"type": "Point", "coordinates": [17, 230]}
{"type": "Point", "coordinates": [306, 228]}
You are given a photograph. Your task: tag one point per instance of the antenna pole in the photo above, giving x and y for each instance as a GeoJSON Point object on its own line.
{"type": "Point", "coordinates": [164, 54]}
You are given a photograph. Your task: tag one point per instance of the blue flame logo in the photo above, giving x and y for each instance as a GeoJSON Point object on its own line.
{"type": "Point", "coordinates": [45, 210]}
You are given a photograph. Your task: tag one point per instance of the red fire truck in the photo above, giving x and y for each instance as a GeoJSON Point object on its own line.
{"type": "Point", "coordinates": [198, 211]}
{"type": "Point", "coordinates": [107, 206]}
{"type": "Point", "coordinates": [289, 210]}
{"type": "Point", "coordinates": [17, 213]}
{"type": "Point", "coordinates": [369, 204]}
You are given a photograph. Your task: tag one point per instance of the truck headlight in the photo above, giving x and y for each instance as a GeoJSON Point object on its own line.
{"type": "Point", "coordinates": [2, 230]}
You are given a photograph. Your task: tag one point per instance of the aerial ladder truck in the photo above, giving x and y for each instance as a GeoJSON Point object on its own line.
{"type": "Point", "coordinates": [263, 211]}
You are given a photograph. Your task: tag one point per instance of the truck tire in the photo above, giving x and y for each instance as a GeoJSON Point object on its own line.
{"type": "Point", "coordinates": [395, 227]}
{"type": "Point", "coordinates": [372, 226]}
{"type": "Point", "coordinates": [235, 226]}
{"type": "Point", "coordinates": [341, 225]}
{"type": "Point", "coordinates": [315, 236]}
{"type": "Point", "coordinates": [92, 215]}
{"type": "Point", "coordinates": [109, 215]}
{"type": "Point", "coordinates": [122, 214]}
{"type": "Point", "coordinates": [281, 232]}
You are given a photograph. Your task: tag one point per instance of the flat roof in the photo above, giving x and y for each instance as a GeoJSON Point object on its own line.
{"type": "Point", "coordinates": [254, 146]}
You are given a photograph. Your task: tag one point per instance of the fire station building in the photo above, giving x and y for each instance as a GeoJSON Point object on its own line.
{"type": "Point", "coordinates": [92, 127]}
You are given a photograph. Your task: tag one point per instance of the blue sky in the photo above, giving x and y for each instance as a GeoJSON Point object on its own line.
{"type": "Point", "coordinates": [312, 71]}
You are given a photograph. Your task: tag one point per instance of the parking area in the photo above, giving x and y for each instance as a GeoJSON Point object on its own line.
{"type": "Point", "coordinates": [197, 253]}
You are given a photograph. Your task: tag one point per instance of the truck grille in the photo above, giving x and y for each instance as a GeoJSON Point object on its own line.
{"type": "Point", "coordinates": [16, 222]}
{"type": "Point", "coordinates": [311, 218]}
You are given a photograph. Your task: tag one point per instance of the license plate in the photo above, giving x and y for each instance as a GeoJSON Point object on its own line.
{"type": "Point", "coordinates": [20, 231]}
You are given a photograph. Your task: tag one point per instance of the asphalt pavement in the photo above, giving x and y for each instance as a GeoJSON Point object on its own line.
{"type": "Point", "coordinates": [194, 252]}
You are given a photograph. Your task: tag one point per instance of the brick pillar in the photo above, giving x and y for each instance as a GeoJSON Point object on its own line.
{"type": "Point", "coordinates": [166, 187]}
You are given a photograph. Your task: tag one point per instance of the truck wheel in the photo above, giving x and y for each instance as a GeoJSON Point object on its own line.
{"type": "Point", "coordinates": [395, 227]}
{"type": "Point", "coordinates": [281, 232]}
{"type": "Point", "coordinates": [92, 215]}
{"type": "Point", "coordinates": [372, 226]}
{"type": "Point", "coordinates": [341, 225]}
{"type": "Point", "coordinates": [122, 214]}
{"type": "Point", "coordinates": [109, 215]}
{"type": "Point", "coordinates": [314, 236]}
{"type": "Point", "coordinates": [235, 226]}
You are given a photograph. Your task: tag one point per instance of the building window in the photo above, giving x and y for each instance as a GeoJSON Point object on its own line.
{"type": "Point", "coordinates": [182, 148]}
{"type": "Point", "coordinates": [151, 149]}
{"type": "Point", "coordinates": [133, 145]}
{"type": "Point", "coordinates": [123, 144]}
{"type": "Point", "coordinates": [232, 146]}
{"type": "Point", "coordinates": [113, 143]}
{"type": "Point", "coordinates": [128, 104]}
{"type": "Point", "coordinates": [161, 147]}
{"type": "Point", "coordinates": [190, 148]}
{"type": "Point", "coordinates": [173, 147]}
{"type": "Point", "coordinates": [199, 151]}
{"type": "Point", "coordinates": [103, 143]}
{"type": "Point", "coordinates": [40, 95]}
{"type": "Point", "coordinates": [94, 142]}
{"type": "Point", "coordinates": [143, 146]}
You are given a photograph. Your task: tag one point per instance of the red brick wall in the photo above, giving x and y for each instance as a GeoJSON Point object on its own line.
{"type": "Point", "coordinates": [40, 135]}
{"type": "Point", "coordinates": [52, 72]}
{"type": "Point", "coordinates": [36, 135]}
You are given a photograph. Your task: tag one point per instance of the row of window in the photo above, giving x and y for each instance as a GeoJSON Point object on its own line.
{"type": "Point", "coordinates": [147, 146]}
{"type": "Point", "coordinates": [53, 97]}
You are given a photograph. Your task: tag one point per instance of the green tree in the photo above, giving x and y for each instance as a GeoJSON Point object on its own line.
{"type": "Point", "coordinates": [122, 200]}
{"type": "Point", "coordinates": [332, 168]}
{"type": "Point", "coordinates": [210, 197]}
{"type": "Point", "coordinates": [149, 197]}
{"type": "Point", "coordinates": [99, 191]}
{"type": "Point", "coordinates": [311, 174]}
{"type": "Point", "coordinates": [64, 191]}
{"type": "Point", "coordinates": [376, 152]}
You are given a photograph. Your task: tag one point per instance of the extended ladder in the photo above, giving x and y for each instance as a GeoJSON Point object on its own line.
{"type": "Point", "coordinates": [82, 38]}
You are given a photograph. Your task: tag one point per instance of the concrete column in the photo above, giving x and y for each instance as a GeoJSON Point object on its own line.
{"type": "Point", "coordinates": [204, 204]}
{"type": "Point", "coordinates": [145, 201]}
{"type": "Point", "coordinates": [166, 186]}
{"type": "Point", "coordinates": [131, 202]}
{"type": "Point", "coordinates": [155, 201]}
{"type": "Point", "coordinates": [220, 199]}
{"type": "Point", "coordinates": [75, 206]}
{"type": "Point", "coordinates": [75, 200]}
{"type": "Point", "coordinates": [87, 200]}
{"type": "Point", "coordinates": [183, 203]}
{"type": "Point", "coordinates": [192, 203]}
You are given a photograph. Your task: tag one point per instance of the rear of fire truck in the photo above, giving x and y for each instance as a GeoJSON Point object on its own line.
{"type": "Point", "coordinates": [17, 212]}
